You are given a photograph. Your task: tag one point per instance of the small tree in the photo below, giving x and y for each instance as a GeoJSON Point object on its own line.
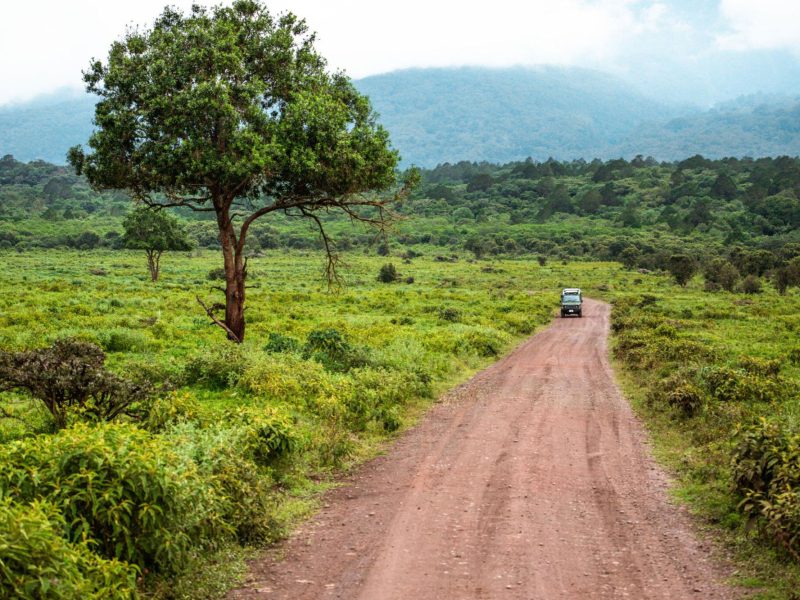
{"type": "Point", "coordinates": [682, 268]}
{"type": "Point", "coordinates": [69, 377]}
{"type": "Point", "coordinates": [388, 273]}
{"type": "Point", "coordinates": [629, 257]}
{"type": "Point", "coordinates": [231, 110]}
{"type": "Point", "coordinates": [751, 285]}
{"type": "Point", "coordinates": [155, 232]}
{"type": "Point", "coordinates": [720, 273]}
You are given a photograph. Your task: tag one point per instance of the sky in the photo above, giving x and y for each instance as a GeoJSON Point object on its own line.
{"type": "Point", "coordinates": [699, 51]}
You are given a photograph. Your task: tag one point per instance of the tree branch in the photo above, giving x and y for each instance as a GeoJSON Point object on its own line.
{"type": "Point", "coordinates": [332, 257]}
{"type": "Point", "coordinates": [216, 321]}
{"type": "Point", "coordinates": [182, 203]}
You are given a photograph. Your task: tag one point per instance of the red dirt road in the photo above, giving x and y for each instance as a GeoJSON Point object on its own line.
{"type": "Point", "coordinates": [531, 481]}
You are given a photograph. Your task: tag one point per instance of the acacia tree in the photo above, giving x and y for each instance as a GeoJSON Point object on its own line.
{"type": "Point", "coordinates": [231, 110]}
{"type": "Point", "coordinates": [155, 232]}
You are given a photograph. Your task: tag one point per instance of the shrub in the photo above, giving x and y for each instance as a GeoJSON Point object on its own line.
{"type": "Point", "coordinates": [766, 474]}
{"type": "Point", "coordinates": [269, 434]}
{"type": "Point", "coordinates": [281, 343]}
{"type": "Point", "coordinates": [37, 562]}
{"type": "Point", "coordinates": [450, 314]}
{"type": "Point", "coordinates": [388, 273]}
{"type": "Point", "coordinates": [727, 384]}
{"type": "Point", "coordinates": [70, 379]}
{"type": "Point", "coordinates": [685, 397]}
{"type": "Point", "coordinates": [377, 395]}
{"type": "Point", "coordinates": [124, 340]}
{"type": "Point", "coordinates": [720, 273]}
{"type": "Point", "coordinates": [217, 367]}
{"type": "Point", "coordinates": [287, 378]}
{"type": "Point", "coordinates": [682, 268]}
{"type": "Point", "coordinates": [794, 356]}
{"type": "Point", "coordinates": [332, 349]}
{"type": "Point", "coordinates": [176, 407]}
{"type": "Point", "coordinates": [751, 285]}
{"type": "Point", "coordinates": [120, 488]}
{"type": "Point", "coordinates": [760, 367]}
{"type": "Point", "coordinates": [216, 274]}
{"type": "Point", "coordinates": [483, 341]}
{"type": "Point", "coordinates": [233, 458]}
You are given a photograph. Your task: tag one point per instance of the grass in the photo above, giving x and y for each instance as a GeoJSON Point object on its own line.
{"type": "Point", "coordinates": [455, 318]}
{"type": "Point", "coordinates": [426, 336]}
{"type": "Point", "coordinates": [698, 449]}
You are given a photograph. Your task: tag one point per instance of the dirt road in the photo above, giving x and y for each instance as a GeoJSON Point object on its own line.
{"type": "Point", "coordinates": [531, 481]}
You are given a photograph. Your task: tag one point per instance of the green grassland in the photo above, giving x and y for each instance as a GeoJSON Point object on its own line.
{"type": "Point", "coordinates": [255, 432]}
{"type": "Point", "coordinates": [252, 432]}
{"type": "Point", "coordinates": [716, 377]}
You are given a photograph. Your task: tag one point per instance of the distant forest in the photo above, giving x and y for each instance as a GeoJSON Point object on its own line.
{"type": "Point", "coordinates": [640, 212]}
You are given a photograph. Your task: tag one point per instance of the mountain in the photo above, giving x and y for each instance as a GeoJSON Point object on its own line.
{"type": "Point", "coordinates": [46, 127]}
{"type": "Point", "coordinates": [750, 126]}
{"type": "Point", "coordinates": [495, 115]}
{"type": "Point", "coordinates": [498, 115]}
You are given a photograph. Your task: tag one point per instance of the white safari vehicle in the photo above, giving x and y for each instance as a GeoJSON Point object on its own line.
{"type": "Point", "coordinates": [571, 302]}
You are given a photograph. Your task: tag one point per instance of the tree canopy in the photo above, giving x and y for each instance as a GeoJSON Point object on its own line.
{"type": "Point", "coordinates": [232, 110]}
{"type": "Point", "coordinates": [155, 232]}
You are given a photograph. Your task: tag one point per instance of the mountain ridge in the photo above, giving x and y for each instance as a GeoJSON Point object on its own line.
{"type": "Point", "coordinates": [438, 115]}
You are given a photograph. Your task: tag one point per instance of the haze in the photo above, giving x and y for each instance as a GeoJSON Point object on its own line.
{"type": "Point", "coordinates": [697, 52]}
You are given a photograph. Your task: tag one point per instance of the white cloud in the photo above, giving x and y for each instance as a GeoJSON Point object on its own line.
{"type": "Point", "coordinates": [45, 44]}
{"type": "Point", "coordinates": [370, 37]}
{"type": "Point", "coordinates": [760, 25]}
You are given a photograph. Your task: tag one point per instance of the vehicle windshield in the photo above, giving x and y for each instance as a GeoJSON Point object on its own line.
{"type": "Point", "coordinates": [571, 299]}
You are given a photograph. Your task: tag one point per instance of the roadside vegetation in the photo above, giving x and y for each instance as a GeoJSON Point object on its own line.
{"type": "Point", "coordinates": [716, 376]}
{"type": "Point", "coordinates": [218, 447]}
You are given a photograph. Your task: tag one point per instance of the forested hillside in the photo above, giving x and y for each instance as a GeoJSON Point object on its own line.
{"type": "Point", "coordinates": [496, 115]}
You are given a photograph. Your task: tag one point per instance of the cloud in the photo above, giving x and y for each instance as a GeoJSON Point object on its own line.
{"type": "Point", "coordinates": [760, 25]}
{"type": "Point", "coordinates": [371, 37]}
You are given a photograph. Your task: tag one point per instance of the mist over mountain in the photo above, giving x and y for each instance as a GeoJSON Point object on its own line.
{"type": "Point", "coordinates": [46, 127]}
{"type": "Point", "coordinates": [495, 115]}
{"type": "Point", "coordinates": [498, 115]}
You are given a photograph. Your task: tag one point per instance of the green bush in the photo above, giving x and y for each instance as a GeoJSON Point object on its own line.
{"type": "Point", "coordinates": [281, 343]}
{"type": "Point", "coordinates": [232, 457]}
{"type": "Point", "coordinates": [377, 394]}
{"type": "Point", "coordinates": [388, 273]}
{"type": "Point", "coordinates": [727, 384]}
{"type": "Point", "coordinates": [119, 487]}
{"type": "Point", "coordinates": [270, 434]}
{"type": "Point", "coordinates": [766, 473]}
{"type": "Point", "coordinates": [760, 367]}
{"type": "Point", "coordinates": [175, 407]}
{"type": "Point", "coordinates": [37, 562]}
{"type": "Point", "coordinates": [447, 313]}
{"type": "Point", "coordinates": [290, 379]}
{"type": "Point", "coordinates": [333, 350]}
{"type": "Point", "coordinates": [794, 356]}
{"type": "Point", "coordinates": [217, 367]}
{"type": "Point", "coordinates": [686, 398]}
{"type": "Point", "coordinates": [483, 341]}
{"type": "Point", "coordinates": [124, 340]}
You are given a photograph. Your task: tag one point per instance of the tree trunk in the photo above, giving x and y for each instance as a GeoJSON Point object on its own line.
{"type": "Point", "coordinates": [153, 258]}
{"type": "Point", "coordinates": [235, 274]}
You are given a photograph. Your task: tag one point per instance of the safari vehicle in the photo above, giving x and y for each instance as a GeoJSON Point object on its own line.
{"type": "Point", "coordinates": [571, 302]}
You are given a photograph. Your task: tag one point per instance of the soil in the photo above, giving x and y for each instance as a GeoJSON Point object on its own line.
{"type": "Point", "coordinates": [533, 480]}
